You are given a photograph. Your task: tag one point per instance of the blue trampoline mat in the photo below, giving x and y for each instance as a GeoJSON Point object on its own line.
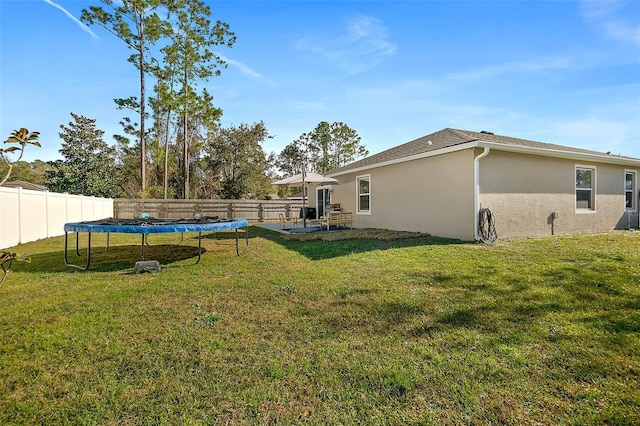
{"type": "Point", "coordinates": [154, 226]}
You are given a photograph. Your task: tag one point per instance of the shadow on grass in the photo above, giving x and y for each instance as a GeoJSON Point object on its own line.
{"type": "Point", "coordinates": [330, 244]}
{"type": "Point", "coordinates": [487, 304]}
{"type": "Point", "coordinates": [116, 258]}
{"type": "Point", "coordinates": [123, 252]}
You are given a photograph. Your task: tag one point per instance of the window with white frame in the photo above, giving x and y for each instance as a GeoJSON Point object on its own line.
{"type": "Point", "coordinates": [363, 184]}
{"type": "Point", "coordinates": [630, 190]}
{"type": "Point", "coordinates": [585, 188]}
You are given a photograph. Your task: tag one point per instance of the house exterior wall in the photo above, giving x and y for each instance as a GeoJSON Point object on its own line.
{"type": "Point", "coordinates": [522, 191]}
{"type": "Point", "coordinates": [432, 195]}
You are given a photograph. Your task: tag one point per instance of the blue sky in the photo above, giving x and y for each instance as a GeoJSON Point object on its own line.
{"type": "Point", "coordinates": [564, 72]}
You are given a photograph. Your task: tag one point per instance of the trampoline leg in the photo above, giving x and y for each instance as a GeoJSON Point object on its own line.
{"type": "Point", "coordinates": [142, 247]}
{"type": "Point", "coordinates": [199, 247]}
{"type": "Point", "coordinates": [246, 241]}
{"type": "Point", "coordinates": [66, 249]}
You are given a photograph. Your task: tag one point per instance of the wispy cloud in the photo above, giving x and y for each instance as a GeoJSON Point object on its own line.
{"type": "Point", "coordinates": [624, 31]}
{"type": "Point", "coordinates": [593, 10]}
{"type": "Point", "coordinates": [247, 70]}
{"type": "Point", "coordinates": [364, 45]}
{"type": "Point", "coordinates": [533, 65]}
{"type": "Point", "coordinates": [611, 17]}
{"type": "Point", "coordinates": [73, 18]}
{"type": "Point", "coordinates": [594, 133]}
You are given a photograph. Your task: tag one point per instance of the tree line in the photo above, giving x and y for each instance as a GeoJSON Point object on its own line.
{"type": "Point", "coordinates": [230, 163]}
{"type": "Point", "coordinates": [172, 144]}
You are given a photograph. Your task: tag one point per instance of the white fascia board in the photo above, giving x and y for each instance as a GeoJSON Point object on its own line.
{"type": "Point", "coordinates": [570, 155]}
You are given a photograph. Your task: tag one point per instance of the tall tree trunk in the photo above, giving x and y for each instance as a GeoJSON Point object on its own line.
{"type": "Point", "coordinates": [185, 136]}
{"type": "Point", "coordinates": [166, 136]}
{"type": "Point", "coordinates": [166, 156]}
{"type": "Point", "coordinates": [185, 158]}
{"type": "Point", "coordinates": [143, 145]}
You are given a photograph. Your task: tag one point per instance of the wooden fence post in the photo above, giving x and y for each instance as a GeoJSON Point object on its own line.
{"type": "Point", "coordinates": [260, 212]}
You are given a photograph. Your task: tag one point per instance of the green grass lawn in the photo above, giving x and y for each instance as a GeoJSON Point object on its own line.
{"type": "Point", "coordinates": [353, 327]}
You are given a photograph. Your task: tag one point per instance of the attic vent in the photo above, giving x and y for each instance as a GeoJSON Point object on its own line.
{"type": "Point", "coordinates": [486, 133]}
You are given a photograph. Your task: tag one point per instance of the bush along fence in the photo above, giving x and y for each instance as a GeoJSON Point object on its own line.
{"type": "Point", "coordinates": [252, 210]}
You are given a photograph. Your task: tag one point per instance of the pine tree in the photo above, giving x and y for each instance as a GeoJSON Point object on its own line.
{"type": "Point", "coordinates": [327, 147]}
{"type": "Point", "coordinates": [189, 59]}
{"type": "Point", "coordinates": [136, 23]}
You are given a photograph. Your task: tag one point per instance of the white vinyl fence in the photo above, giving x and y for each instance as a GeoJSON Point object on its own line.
{"type": "Point", "coordinates": [32, 215]}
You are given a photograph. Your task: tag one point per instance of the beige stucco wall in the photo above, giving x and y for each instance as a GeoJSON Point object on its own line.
{"type": "Point", "coordinates": [522, 191]}
{"type": "Point", "coordinates": [433, 195]}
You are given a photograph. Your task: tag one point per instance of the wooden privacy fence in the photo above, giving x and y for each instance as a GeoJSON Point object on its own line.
{"type": "Point", "coordinates": [252, 210]}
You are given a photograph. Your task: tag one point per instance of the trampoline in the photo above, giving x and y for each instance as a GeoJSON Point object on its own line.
{"type": "Point", "coordinates": [151, 226]}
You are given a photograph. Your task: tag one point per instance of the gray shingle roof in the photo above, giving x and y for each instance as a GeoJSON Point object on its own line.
{"type": "Point", "coordinates": [24, 185]}
{"type": "Point", "coordinates": [448, 138]}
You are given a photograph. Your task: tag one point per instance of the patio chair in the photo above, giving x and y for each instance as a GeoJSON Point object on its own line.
{"type": "Point", "coordinates": [337, 218]}
{"type": "Point", "coordinates": [284, 220]}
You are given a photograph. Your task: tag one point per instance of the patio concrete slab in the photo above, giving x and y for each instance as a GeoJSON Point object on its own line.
{"type": "Point", "coordinates": [290, 229]}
